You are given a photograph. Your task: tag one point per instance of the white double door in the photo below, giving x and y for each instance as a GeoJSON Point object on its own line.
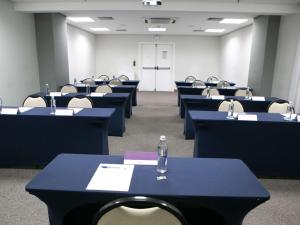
{"type": "Point", "coordinates": [156, 67]}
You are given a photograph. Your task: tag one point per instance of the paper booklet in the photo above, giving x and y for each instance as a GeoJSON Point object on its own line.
{"type": "Point", "coordinates": [247, 117]}
{"type": "Point", "coordinates": [9, 111]}
{"type": "Point", "coordinates": [140, 158]}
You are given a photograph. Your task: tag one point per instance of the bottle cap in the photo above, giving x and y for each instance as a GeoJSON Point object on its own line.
{"type": "Point", "coordinates": [163, 138]}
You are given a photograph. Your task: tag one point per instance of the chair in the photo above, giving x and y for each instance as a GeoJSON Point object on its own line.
{"type": "Point", "coordinates": [80, 102]}
{"type": "Point", "coordinates": [103, 89]}
{"type": "Point", "coordinates": [198, 83]}
{"type": "Point", "coordinates": [138, 210]}
{"type": "Point", "coordinates": [224, 106]}
{"type": "Point", "coordinates": [212, 78]}
{"type": "Point", "coordinates": [89, 81]}
{"type": "Point", "coordinates": [123, 78]}
{"type": "Point", "coordinates": [31, 101]}
{"type": "Point", "coordinates": [242, 93]}
{"type": "Point", "coordinates": [278, 107]}
{"type": "Point", "coordinates": [223, 83]}
{"type": "Point", "coordinates": [115, 81]}
{"type": "Point", "coordinates": [190, 79]}
{"type": "Point", "coordinates": [69, 88]}
{"type": "Point", "coordinates": [103, 77]}
{"type": "Point", "coordinates": [213, 91]}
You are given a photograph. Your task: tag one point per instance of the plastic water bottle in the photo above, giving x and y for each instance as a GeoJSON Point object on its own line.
{"type": "Point", "coordinates": [208, 95]}
{"type": "Point", "coordinates": [1, 105]}
{"type": "Point", "coordinates": [88, 89]}
{"type": "Point", "coordinates": [247, 93]}
{"type": "Point", "coordinates": [162, 150]}
{"type": "Point", "coordinates": [290, 111]}
{"type": "Point", "coordinates": [75, 81]}
{"type": "Point", "coordinates": [230, 110]}
{"type": "Point", "coordinates": [53, 105]}
{"type": "Point", "coordinates": [47, 89]}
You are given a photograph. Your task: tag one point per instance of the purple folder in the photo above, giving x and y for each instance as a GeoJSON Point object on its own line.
{"type": "Point", "coordinates": [140, 158]}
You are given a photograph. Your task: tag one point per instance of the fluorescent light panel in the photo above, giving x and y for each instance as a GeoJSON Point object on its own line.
{"type": "Point", "coordinates": [214, 30]}
{"type": "Point", "coordinates": [159, 29]}
{"type": "Point", "coordinates": [233, 21]}
{"type": "Point", "coordinates": [99, 29]}
{"type": "Point", "coordinates": [81, 19]}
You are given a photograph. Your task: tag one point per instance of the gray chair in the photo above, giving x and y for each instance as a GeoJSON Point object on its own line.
{"type": "Point", "coordinates": [224, 106]}
{"type": "Point", "coordinates": [115, 82]}
{"type": "Point", "coordinates": [103, 77]}
{"type": "Point", "coordinates": [69, 88]}
{"type": "Point", "coordinates": [277, 107]}
{"type": "Point", "coordinates": [242, 93]}
{"type": "Point", "coordinates": [103, 89]}
{"type": "Point", "coordinates": [78, 102]}
{"type": "Point", "coordinates": [89, 81]}
{"type": "Point", "coordinates": [190, 79]}
{"type": "Point", "coordinates": [34, 102]}
{"type": "Point", "coordinates": [123, 78]}
{"type": "Point", "coordinates": [223, 84]}
{"type": "Point", "coordinates": [198, 84]}
{"type": "Point", "coordinates": [213, 91]}
{"type": "Point", "coordinates": [212, 79]}
{"type": "Point", "coordinates": [139, 210]}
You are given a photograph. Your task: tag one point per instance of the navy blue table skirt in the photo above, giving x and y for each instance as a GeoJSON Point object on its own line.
{"type": "Point", "coordinates": [183, 83]}
{"type": "Point", "coordinates": [269, 146]}
{"type": "Point", "coordinates": [35, 137]}
{"type": "Point", "coordinates": [117, 101]}
{"type": "Point", "coordinates": [201, 103]}
{"type": "Point", "coordinates": [210, 191]}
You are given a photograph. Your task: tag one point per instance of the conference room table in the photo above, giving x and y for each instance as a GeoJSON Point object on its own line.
{"type": "Point", "coordinates": [269, 146]}
{"type": "Point", "coordinates": [35, 137]}
{"type": "Point", "coordinates": [131, 89]}
{"type": "Point", "coordinates": [118, 101]}
{"type": "Point", "coordinates": [213, 84]}
{"type": "Point", "coordinates": [185, 90]}
{"type": "Point", "coordinates": [201, 103]}
{"type": "Point", "coordinates": [210, 191]}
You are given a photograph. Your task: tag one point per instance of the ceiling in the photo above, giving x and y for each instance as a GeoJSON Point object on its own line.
{"type": "Point", "coordinates": [190, 15]}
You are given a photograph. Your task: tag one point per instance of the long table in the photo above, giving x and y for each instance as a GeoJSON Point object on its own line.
{"type": "Point", "coordinates": [35, 137]}
{"type": "Point", "coordinates": [201, 103]}
{"type": "Point", "coordinates": [213, 191]}
{"type": "Point", "coordinates": [269, 146]}
{"type": "Point", "coordinates": [185, 90]}
{"type": "Point", "coordinates": [117, 101]}
{"type": "Point", "coordinates": [184, 83]}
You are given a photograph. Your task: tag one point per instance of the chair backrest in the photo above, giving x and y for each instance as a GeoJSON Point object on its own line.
{"type": "Point", "coordinates": [115, 82]}
{"type": "Point", "coordinates": [223, 83]}
{"type": "Point", "coordinates": [34, 102]}
{"type": "Point", "coordinates": [103, 77]}
{"type": "Point", "coordinates": [123, 78]}
{"type": "Point", "coordinates": [213, 91]}
{"type": "Point", "coordinates": [80, 103]}
{"type": "Point", "coordinates": [277, 107]}
{"type": "Point", "coordinates": [69, 88]}
{"type": "Point", "coordinates": [224, 106]}
{"type": "Point", "coordinates": [198, 83]}
{"type": "Point", "coordinates": [212, 78]}
{"type": "Point", "coordinates": [139, 210]}
{"type": "Point", "coordinates": [190, 79]}
{"type": "Point", "coordinates": [242, 92]}
{"type": "Point", "coordinates": [89, 81]}
{"type": "Point", "coordinates": [103, 89]}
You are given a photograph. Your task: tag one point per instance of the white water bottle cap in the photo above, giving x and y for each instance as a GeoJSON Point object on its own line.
{"type": "Point", "coordinates": [163, 138]}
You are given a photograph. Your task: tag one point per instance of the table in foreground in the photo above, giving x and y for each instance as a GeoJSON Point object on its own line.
{"type": "Point", "coordinates": [201, 103]}
{"type": "Point", "coordinates": [208, 191]}
{"type": "Point", "coordinates": [269, 146]}
{"type": "Point", "coordinates": [35, 137]}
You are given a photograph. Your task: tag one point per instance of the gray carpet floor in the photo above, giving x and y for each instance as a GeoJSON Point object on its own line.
{"type": "Point", "coordinates": [156, 114]}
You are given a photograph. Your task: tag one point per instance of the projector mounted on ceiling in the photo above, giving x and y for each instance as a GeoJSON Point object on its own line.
{"type": "Point", "coordinates": [160, 20]}
{"type": "Point", "coordinates": [151, 2]}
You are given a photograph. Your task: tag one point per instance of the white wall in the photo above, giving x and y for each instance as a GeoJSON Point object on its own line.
{"type": "Point", "coordinates": [286, 52]}
{"type": "Point", "coordinates": [194, 55]}
{"type": "Point", "coordinates": [18, 55]}
{"type": "Point", "coordinates": [235, 56]}
{"type": "Point", "coordinates": [81, 53]}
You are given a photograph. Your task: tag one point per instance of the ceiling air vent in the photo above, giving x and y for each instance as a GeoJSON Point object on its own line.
{"type": "Point", "coordinates": [160, 20]}
{"type": "Point", "coordinates": [198, 30]}
{"type": "Point", "coordinates": [105, 18]}
{"type": "Point", "coordinates": [121, 30]}
{"type": "Point", "coordinates": [214, 19]}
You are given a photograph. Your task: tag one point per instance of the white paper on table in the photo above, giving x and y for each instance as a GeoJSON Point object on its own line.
{"type": "Point", "coordinates": [230, 87]}
{"type": "Point", "coordinates": [24, 109]}
{"type": "Point", "coordinates": [140, 162]}
{"type": "Point", "coordinates": [9, 111]}
{"type": "Point", "coordinates": [64, 112]}
{"type": "Point", "coordinates": [65, 93]}
{"type": "Point", "coordinates": [96, 94]}
{"type": "Point", "coordinates": [76, 110]}
{"type": "Point", "coordinates": [55, 94]}
{"type": "Point", "coordinates": [294, 116]}
{"type": "Point", "coordinates": [258, 98]}
{"type": "Point", "coordinates": [113, 85]}
{"type": "Point", "coordinates": [247, 117]}
{"type": "Point", "coordinates": [111, 177]}
{"type": "Point", "coordinates": [98, 80]}
{"type": "Point", "coordinates": [298, 118]}
{"type": "Point", "coordinates": [218, 97]}
{"type": "Point", "coordinates": [80, 85]}
{"type": "Point", "coordinates": [214, 81]}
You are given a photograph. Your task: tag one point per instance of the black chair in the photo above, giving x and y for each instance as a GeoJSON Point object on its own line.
{"type": "Point", "coordinates": [139, 210]}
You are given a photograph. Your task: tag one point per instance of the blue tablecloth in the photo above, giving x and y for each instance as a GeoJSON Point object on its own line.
{"type": "Point", "coordinates": [269, 146]}
{"type": "Point", "coordinates": [183, 83]}
{"type": "Point", "coordinates": [226, 188]}
{"type": "Point", "coordinates": [35, 137]}
{"type": "Point", "coordinates": [117, 101]}
{"type": "Point", "coordinates": [185, 90]}
{"type": "Point", "coordinates": [201, 103]}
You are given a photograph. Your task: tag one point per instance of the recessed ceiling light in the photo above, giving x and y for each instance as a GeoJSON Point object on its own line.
{"type": "Point", "coordinates": [159, 29]}
{"type": "Point", "coordinates": [81, 19]}
{"type": "Point", "coordinates": [99, 29]}
{"type": "Point", "coordinates": [233, 21]}
{"type": "Point", "coordinates": [214, 30]}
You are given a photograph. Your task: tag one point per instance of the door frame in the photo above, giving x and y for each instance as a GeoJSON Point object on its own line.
{"type": "Point", "coordinates": [139, 64]}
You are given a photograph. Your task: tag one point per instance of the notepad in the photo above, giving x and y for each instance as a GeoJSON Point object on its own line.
{"type": "Point", "coordinates": [80, 85]}
{"type": "Point", "coordinates": [218, 97]}
{"type": "Point", "coordinates": [113, 85]}
{"type": "Point", "coordinates": [298, 118]}
{"type": "Point", "coordinates": [96, 94]}
{"type": "Point", "coordinates": [9, 111]}
{"type": "Point", "coordinates": [294, 116]}
{"type": "Point", "coordinates": [65, 93]}
{"type": "Point", "coordinates": [24, 109]}
{"type": "Point", "coordinates": [247, 117]}
{"type": "Point", "coordinates": [140, 158]}
{"type": "Point", "coordinates": [258, 98]}
{"type": "Point", "coordinates": [76, 110]}
{"type": "Point", "coordinates": [111, 177]}
{"type": "Point", "coordinates": [55, 94]}
{"type": "Point", "coordinates": [64, 112]}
